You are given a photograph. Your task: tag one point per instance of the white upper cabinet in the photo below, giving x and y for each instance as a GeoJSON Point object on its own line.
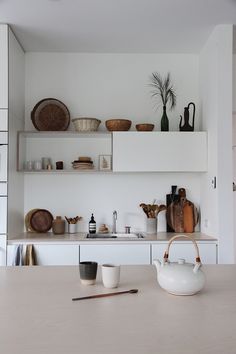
{"type": "Point", "coordinates": [159, 151]}
{"type": "Point", "coordinates": [3, 66]}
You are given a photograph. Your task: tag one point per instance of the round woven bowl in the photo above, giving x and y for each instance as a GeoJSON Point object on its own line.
{"type": "Point", "coordinates": [145, 127]}
{"type": "Point", "coordinates": [118, 124]}
{"type": "Point", "coordinates": [86, 124]}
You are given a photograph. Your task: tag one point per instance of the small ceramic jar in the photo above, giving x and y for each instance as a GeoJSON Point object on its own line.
{"type": "Point", "coordinates": [58, 226]}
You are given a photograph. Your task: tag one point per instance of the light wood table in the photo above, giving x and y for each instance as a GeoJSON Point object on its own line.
{"type": "Point", "coordinates": [38, 316]}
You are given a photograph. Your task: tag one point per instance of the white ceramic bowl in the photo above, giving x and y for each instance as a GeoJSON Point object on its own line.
{"type": "Point", "coordinates": [86, 124]}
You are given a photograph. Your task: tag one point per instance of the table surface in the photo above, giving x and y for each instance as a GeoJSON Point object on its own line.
{"type": "Point", "coordinates": [39, 317]}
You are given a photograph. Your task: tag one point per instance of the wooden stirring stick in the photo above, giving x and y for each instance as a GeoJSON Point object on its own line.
{"type": "Point", "coordinates": [132, 291]}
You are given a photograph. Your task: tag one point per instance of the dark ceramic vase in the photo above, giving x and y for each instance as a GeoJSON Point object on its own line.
{"type": "Point", "coordinates": [164, 121]}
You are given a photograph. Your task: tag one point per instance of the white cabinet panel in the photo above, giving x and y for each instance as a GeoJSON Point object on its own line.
{"type": "Point", "coordinates": [3, 119]}
{"type": "Point", "coordinates": [3, 138]}
{"type": "Point", "coordinates": [3, 189]}
{"type": "Point", "coordinates": [119, 254]}
{"type": "Point", "coordinates": [3, 163]}
{"type": "Point", "coordinates": [160, 151]}
{"type": "Point", "coordinates": [186, 250]}
{"type": "Point", "coordinates": [3, 66]}
{"type": "Point", "coordinates": [57, 254]}
{"type": "Point", "coordinates": [3, 215]}
{"type": "Point", "coordinates": [50, 255]}
{"type": "Point", "coordinates": [3, 245]}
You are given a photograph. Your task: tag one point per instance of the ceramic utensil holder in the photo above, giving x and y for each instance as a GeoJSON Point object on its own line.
{"type": "Point", "coordinates": [151, 225]}
{"type": "Point", "coordinates": [72, 228]}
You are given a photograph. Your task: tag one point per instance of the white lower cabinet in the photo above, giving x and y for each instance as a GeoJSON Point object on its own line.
{"type": "Point", "coordinates": [3, 245]}
{"type": "Point", "coordinates": [50, 255]}
{"type": "Point", "coordinates": [119, 254]}
{"type": "Point", "coordinates": [186, 250]}
{"type": "Point", "coordinates": [3, 215]}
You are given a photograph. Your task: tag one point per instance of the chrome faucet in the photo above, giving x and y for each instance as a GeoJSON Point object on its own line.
{"type": "Point", "coordinates": [114, 222]}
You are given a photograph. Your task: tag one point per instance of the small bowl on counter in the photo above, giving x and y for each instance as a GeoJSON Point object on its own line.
{"type": "Point", "coordinates": [118, 124]}
{"type": "Point", "coordinates": [145, 127]}
{"type": "Point", "coordinates": [85, 124]}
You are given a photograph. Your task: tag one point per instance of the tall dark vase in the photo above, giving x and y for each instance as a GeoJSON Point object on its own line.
{"type": "Point", "coordinates": [164, 121]}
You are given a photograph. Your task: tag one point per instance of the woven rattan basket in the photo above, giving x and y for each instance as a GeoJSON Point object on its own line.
{"type": "Point", "coordinates": [86, 124]}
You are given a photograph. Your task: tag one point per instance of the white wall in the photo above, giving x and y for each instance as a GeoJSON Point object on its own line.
{"type": "Point", "coordinates": [100, 194]}
{"type": "Point", "coordinates": [216, 100]}
{"type": "Point", "coordinates": [105, 86]}
{"type": "Point", "coordinates": [109, 85]}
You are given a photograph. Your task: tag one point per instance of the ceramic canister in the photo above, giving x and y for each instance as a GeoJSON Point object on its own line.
{"type": "Point", "coordinates": [151, 225]}
{"type": "Point", "coordinates": [58, 226]}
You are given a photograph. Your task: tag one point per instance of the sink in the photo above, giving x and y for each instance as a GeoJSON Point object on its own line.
{"type": "Point", "coordinates": [117, 235]}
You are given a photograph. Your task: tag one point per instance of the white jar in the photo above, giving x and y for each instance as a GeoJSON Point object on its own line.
{"type": "Point", "coordinates": [151, 225]}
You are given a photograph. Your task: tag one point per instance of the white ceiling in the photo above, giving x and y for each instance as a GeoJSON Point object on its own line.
{"type": "Point", "coordinates": [124, 26]}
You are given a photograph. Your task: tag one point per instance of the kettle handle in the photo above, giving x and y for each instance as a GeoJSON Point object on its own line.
{"type": "Point", "coordinates": [166, 254]}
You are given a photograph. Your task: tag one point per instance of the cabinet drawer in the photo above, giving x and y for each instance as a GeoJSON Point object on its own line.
{"type": "Point", "coordinates": [50, 255]}
{"type": "Point", "coordinates": [3, 163]}
{"type": "Point", "coordinates": [3, 119]}
{"type": "Point", "coordinates": [119, 254]}
{"type": "Point", "coordinates": [186, 250]}
{"type": "Point", "coordinates": [3, 215]}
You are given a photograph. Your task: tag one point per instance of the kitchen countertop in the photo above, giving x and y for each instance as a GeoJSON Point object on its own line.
{"type": "Point", "coordinates": [80, 238]}
{"type": "Point", "coordinates": [38, 316]}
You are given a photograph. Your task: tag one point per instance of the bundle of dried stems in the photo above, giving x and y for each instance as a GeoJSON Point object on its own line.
{"type": "Point", "coordinates": [152, 210]}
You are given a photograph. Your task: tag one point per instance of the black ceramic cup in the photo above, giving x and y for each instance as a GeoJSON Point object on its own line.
{"type": "Point", "coordinates": [88, 272]}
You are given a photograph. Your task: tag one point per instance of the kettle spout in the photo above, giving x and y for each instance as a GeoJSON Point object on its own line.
{"type": "Point", "coordinates": [157, 263]}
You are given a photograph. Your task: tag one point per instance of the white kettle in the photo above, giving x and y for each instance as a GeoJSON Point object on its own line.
{"type": "Point", "coordinates": [180, 278]}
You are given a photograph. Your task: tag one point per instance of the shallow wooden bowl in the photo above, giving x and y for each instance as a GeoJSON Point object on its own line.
{"type": "Point", "coordinates": [145, 127]}
{"type": "Point", "coordinates": [118, 124]}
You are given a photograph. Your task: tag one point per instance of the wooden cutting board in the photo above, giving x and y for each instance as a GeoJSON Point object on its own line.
{"type": "Point", "coordinates": [182, 215]}
{"type": "Point", "coordinates": [41, 220]}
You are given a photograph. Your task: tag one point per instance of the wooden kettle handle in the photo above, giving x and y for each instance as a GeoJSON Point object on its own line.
{"type": "Point", "coordinates": [166, 254]}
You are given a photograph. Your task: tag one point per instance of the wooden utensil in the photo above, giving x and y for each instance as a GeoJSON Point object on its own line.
{"type": "Point", "coordinates": [132, 291]}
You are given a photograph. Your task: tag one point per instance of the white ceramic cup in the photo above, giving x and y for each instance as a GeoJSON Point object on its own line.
{"type": "Point", "coordinates": [110, 275]}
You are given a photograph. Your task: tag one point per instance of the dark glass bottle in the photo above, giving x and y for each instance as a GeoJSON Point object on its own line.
{"type": "Point", "coordinates": [164, 121]}
{"type": "Point", "coordinates": [92, 225]}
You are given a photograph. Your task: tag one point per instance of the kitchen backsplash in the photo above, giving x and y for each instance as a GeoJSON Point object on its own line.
{"type": "Point", "coordinates": [101, 194]}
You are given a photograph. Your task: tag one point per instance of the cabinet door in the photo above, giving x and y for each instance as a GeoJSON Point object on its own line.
{"type": "Point", "coordinates": [50, 255]}
{"type": "Point", "coordinates": [3, 189]}
{"type": "Point", "coordinates": [3, 66]}
{"type": "Point", "coordinates": [3, 245]}
{"type": "Point", "coordinates": [186, 250]}
{"type": "Point", "coordinates": [159, 151]}
{"type": "Point", "coordinates": [57, 254]}
{"type": "Point", "coordinates": [118, 254]}
{"type": "Point", "coordinates": [3, 119]}
{"type": "Point", "coordinates": [3, 163]}
{"type": "Point", "coordinates": [3, 215]}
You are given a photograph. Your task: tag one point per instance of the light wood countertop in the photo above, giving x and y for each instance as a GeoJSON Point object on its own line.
{"type": "Point", "coordinates": [80, 238]}
{"type": "Point", "coordinates": [38, 316]}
